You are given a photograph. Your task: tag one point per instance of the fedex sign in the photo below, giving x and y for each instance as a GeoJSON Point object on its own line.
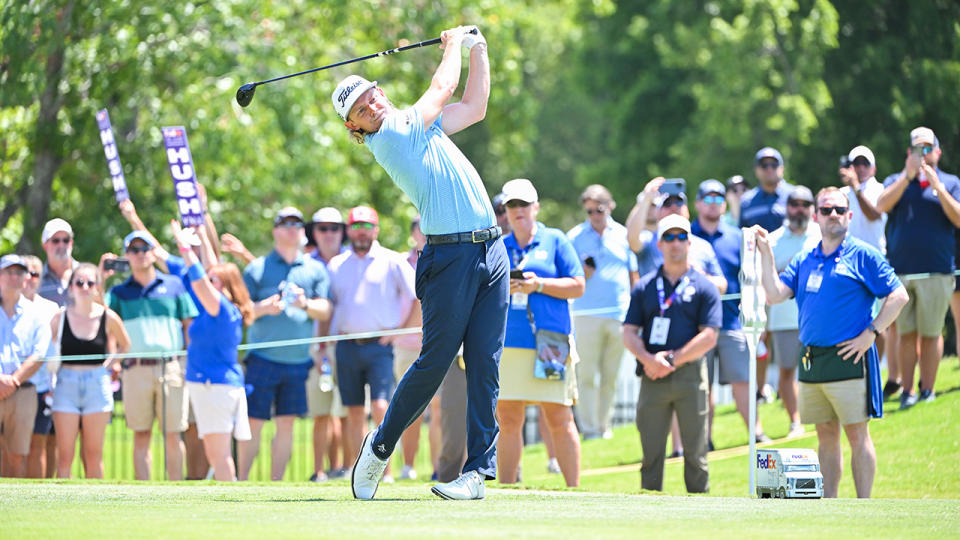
{"type": "Point", "coordinates": [113, 157]}
{"type": "Point", "coordinates": [184, 179]}
{"type": "Point", "coordinates": [766, 461]}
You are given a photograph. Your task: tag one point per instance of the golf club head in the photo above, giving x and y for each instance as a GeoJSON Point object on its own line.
{"type": "Point", "coordinates": [245, 94]}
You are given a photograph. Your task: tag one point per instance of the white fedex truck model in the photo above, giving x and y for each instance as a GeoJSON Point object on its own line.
{"type": "Point", "coordinates": [788, 473]}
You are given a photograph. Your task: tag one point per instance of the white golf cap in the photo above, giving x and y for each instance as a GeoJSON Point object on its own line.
{"type": "Point", "coordinates": [327, 215]}
{"type": "Point", "coordinates": [347, 92]}
{"type": "Point", "coordinates": [864, 152]}
{"type": "Point", "coordinates": [54, 226]}
{"type": "Point", "coordinates": [922, 135]}
{"type": "Point", "coordinates": [673, 221]}
{"type": "Point", "coordinates": [519, 189]}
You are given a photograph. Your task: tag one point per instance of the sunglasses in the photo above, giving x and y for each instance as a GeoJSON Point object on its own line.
{"type": "Point", "coordinates": [768, 164]}
{"type": "Point", "coordinates": [861, 162]}
{"type": "Point", "coordinates": [597, 210]}
{"type": "Point", "coordinates": [672, 201]}
{"type": "Point", "coordinates": [923, 149]}
{"type": "Point", "coordinates": [516, 203]}
{"type": "Point", "coordinates": [827, 210]}
{"type": "Point", "coordinates": [34, 274]}
{"type": "Point", "coordinates": [61, 240]}
{"type": "Point", "coordinates": [670, 237]}
{"type": "Point", "coordinates": [363, 225]}
{"type": "Point", "coordinates": [136, 250]}
{"type": "Point", "coordinates": [290, 224]}
{"type": "Point", "coordinates": [500, 210]}
{"type": "Point", "coordinates": [326, 228]}
{"type": "Point", "coordinates": [81, 284]}
{"type": "Point", "coordinates": [713, 199]}
{"type": "Point", "coordinates": [798, 204]}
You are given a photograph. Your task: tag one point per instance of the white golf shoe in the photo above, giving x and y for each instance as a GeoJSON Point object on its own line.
{"type": "Point", "coordinates": [469, 486]}
{"type": "Point", "coordinates": [367, 471]}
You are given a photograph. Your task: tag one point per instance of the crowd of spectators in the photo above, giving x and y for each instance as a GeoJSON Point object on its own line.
{"type": "Point", "coordinates": [578, 300]}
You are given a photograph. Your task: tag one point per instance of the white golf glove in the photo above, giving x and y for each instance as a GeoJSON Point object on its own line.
{"type": "Point", "coordinates": [469, 40]}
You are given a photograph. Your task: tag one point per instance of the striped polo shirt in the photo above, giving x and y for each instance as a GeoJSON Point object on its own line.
{"type": "Point", "coordinates": [153, 315]}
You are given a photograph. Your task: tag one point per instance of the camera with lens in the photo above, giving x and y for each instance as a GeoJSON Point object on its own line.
{"type": "Point", "coordinates": [845, 162]}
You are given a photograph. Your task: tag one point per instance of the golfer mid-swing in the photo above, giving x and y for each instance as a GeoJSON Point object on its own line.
{"type": "Point", "coordinates": [462, 279]}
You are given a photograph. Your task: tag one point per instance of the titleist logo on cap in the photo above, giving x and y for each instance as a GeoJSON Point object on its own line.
{"type": "Point", "coordinates": [342, 98]}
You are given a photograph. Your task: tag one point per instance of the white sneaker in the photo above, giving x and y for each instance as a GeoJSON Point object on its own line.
{"type": "Point", "coordinates": [553, 466]}
{"type": "Point", "coordinates": [468, 487]}
{"type": "Point", "coordinates": [796, 430]}
{"type": "Point", "coordinates": [408, 473]}
{"type": "Point", "coordinates": [367, 470]}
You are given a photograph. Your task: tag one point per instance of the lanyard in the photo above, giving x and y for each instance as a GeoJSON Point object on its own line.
{"type": "Point", "coordinates": [665, 305]}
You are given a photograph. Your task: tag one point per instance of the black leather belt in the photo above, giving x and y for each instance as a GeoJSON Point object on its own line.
{"type": "Point", "coordinates": [472, 237]}
{"type": "Point", "coordinates": [364, 341]}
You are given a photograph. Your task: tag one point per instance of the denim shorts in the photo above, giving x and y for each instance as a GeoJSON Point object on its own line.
{"type": "Point", "coordinates": [83, 391]}
{"type": "Point", "coordinates": [275, 388]}
{"type": "Point", "coordinates": [359, 365]}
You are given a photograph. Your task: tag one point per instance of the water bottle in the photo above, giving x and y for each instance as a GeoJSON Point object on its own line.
{"type": "Point", "coordinates": [326, 375]}
{"type": "Point", "coordinates": [288, 297]}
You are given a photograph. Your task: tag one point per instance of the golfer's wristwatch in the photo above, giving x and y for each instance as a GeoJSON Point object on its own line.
{"type": "Point", "coordinates": [669, 358]}
{"type": "Point", "coordinates": [872, 328]}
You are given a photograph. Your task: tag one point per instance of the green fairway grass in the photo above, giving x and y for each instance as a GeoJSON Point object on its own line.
{"type": "Point", "coordinates": [32, 509]}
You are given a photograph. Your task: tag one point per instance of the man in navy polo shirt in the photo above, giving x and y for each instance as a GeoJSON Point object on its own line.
{"type": "Point", "coordinates": [289, 292]}
{"type": "Point", "coordinates": [461, 277]}
{"type": "Point", "coordinates": [766, 204]}
{"type": "Point", "coordinates": [671, 324]}
{"type": "Point", "coordinates": [836, 285]}
{"type": "Point", "coordinates": [730, 359]}
{"type": "Point", "coordinates": [923, 215]}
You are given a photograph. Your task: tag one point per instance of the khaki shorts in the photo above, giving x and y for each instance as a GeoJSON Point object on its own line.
{"type": "Point", "coordinates": [17, 414]}
{"type": "Point", "coordinates": [402, 360]}
{"type": "Point", "coordinates": [843, 401]}
{"type": "Point", "coordinates": [220, 408]}
{"type": "Point", "coordinates": [518, 383]}
{"type": "Point", "coordinates": [927, 308]}
{"type": "Point", "coordinates": [143, 396]}
{"type": "Point", "coordinates": [320, 403]}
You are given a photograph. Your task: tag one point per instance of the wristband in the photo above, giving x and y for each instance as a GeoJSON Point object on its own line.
{"type": "Point", "coordinates": [539, 286]}
{"type": "Point", "coordinates": [196, 272]}
{"type": "Point", "coordinates": [184, 250]}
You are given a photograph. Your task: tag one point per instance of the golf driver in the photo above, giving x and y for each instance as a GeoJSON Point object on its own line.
{"type": "Point", "coordinates": [245, 92]}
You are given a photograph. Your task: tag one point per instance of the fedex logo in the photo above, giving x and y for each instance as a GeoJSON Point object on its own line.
{"type": "Point", "coordinates": [766, 462]}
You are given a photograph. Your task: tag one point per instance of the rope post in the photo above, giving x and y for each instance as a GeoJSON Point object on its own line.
{"type": "Point", "coordinates": [753, 317]}
{"type": "Point", "coordinates": [163, 413]}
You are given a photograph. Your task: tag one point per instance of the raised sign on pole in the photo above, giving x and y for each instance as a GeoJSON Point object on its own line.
{"type": "Point", "coordinates": [184, 179]}
{"type": "Point", "coordinates": [113, 157]}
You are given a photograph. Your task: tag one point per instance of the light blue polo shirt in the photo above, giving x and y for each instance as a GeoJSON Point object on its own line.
{"type": "Point", "coordinates": [609, 286]}
{"type": "Point", "coordinates": [854, 276]}
{"type": "Point", "coordinates": [433, 172]}
{"type": "Point", "coordinates": [23, 335]}
{"type": "Point", "coordinates": [262, 278]}
{"type": "Point", "coordinates": [550, 255]}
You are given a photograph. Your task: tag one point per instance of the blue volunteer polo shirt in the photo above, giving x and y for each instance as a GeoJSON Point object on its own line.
{"type": "Point", "coordinates": [212, 352]}
{"type": "Point", "coordinates": [767, 210]}
{"type": "Point", "coordinates": [263, 278]}
{"type": "Point", "coordinates": [609, 286]}
{"type": "Point", "coordinates": [549, 255]}
{"type": "Point", "coordinates": [919, 235]}
{"type": "Point", "coordinates": [698, 304]}
{"type": "Point", "coordinates": [726, 244]}
{"type": "Point", "coordinates": [178, 267]}
{"type": "Point", "coordinates": [433, 172]}
{"type": "Point", "coordinates": [854, 276]}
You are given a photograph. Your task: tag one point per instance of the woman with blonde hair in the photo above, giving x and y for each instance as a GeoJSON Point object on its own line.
{"type": "Point", "coordinates": [537, 366]}
{"type": "Point", "coordinates": [214, 377]}
{"type": "Point", "coordinates": [86, 327]}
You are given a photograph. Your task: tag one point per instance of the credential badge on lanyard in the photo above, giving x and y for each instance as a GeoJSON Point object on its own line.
{"type": "Point", "coordinates": [661, 324]}
{"type": "Point", "coordinates": [815, 279]}
{"type": "Point", "coordinates": [518, 300]}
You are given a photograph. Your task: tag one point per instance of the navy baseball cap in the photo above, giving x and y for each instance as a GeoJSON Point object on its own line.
{"type": "Point", "coordinates": [11, 260]}
{"type": "Point", "coordinates": [142, 235]}
{"type": "Point", "coordinates": [768, 152]}
{"type": "Point", "coordinates": [710, 186]}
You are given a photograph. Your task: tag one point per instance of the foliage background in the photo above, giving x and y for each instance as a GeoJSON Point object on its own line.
{"type": "Point", "coordinates": [584, 91]}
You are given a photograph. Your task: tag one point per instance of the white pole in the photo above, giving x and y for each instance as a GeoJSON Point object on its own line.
{"type": "Point", "coordinates": [753, 318]}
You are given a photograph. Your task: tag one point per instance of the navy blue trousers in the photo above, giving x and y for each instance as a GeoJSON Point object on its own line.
{"type": "Point", "coordinates": [463, 290]}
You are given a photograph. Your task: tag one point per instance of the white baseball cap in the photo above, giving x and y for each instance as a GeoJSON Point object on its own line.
{"type": "Point", "coordinates": [923, 135]}
{"type": "Point", "coordinates": [519, 189]}
{"type": "Point", "coordinates": [327, 214]}
{"type": "Point", "coordinates": [864, 152]}
{"type": "Point", "coordinates": [54, 226]}
{"type": "Point", "coordinates": [673, 221]}
{"type": "Point", "coordinates": [347, 92]}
